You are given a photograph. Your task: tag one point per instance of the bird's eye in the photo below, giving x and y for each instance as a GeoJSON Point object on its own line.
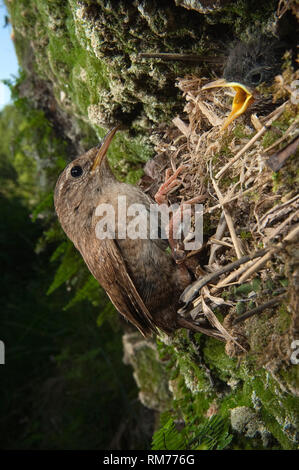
{"type": "Point", "coordinates": [76, 171]}
{"type": "Point", "coordinates": [255, 76]}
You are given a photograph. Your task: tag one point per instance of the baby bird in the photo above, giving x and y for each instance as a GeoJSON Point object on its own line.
{"type": "Point", "coordinates": [248, 65]}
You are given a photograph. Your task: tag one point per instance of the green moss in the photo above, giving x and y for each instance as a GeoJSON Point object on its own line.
{"type": "Point", "coordinates": [276, 407]}
{"type": "Point", "coordinates": [276, 178]}
{"type": "Point", "coordinates": [240, 308]}
{"type": "Point", "coordinates": [253, 13]}
{"type": "Point", "coordinates": [249, 386]}
{"type": "Point", "coordinates": [269, 138]}
{"type": "Point", "coordinates": [245, 235]}
{"type": "Point", "coordinates": [283, 321]}
{"type": "Point", "coordinates": [88, 51]}
{"type": "Point", "coordinates": [218, 360]}
{"type": "Point", "coordinates": [240, 131]}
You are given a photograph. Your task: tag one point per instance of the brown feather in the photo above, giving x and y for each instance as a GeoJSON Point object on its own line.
{"type": "Point", "coordinates": [117, 282]}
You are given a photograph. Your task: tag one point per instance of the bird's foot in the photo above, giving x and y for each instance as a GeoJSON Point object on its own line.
{"type": "Point", "coordinates": [171, 182]}
{"type": "Point", "coordinates": [175, 229]}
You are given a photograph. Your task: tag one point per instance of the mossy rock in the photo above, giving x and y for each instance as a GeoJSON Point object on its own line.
{"type": "Point", "coordinates": [85, 56]}
{"type": "Point", "coordinates": [83, 67]}
{"type": "Point", "coordinates": [149, 371]}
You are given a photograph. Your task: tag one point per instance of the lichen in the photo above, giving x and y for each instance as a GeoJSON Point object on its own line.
{"type": "Point", "coordinates": [245, 421]}
{"type": "Point", "coordinates": [148, 371]}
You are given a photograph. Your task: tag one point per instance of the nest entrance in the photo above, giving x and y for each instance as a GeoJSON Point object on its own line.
{"type": "Point", "coordinates": [247, 209]}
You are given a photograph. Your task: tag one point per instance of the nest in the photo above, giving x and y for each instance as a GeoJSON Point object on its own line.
{"type": "Point", "coordinates": [250, 213]}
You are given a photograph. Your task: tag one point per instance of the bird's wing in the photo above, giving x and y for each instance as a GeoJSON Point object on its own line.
{"type": "Point", "coordinates": [116, 281]}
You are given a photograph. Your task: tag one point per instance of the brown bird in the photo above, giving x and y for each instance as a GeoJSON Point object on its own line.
{"type": "Point", "coordinates": [139, 275]}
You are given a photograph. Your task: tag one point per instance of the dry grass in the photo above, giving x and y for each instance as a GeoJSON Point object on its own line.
{"type": "Point", "coordinates": [247, 207]}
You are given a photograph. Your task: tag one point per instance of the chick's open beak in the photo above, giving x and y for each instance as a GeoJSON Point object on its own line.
{"type": "Point", "coordinates": [104, 148]}
{"type": "Point", "coordinates": [242, 99]}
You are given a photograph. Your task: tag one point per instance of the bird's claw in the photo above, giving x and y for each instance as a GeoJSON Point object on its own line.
{"type": "Point", "coordinates": [171, 181]}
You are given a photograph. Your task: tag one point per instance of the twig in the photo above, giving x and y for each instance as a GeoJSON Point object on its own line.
{"type": "Point", "coordinates": [191, 291]}
{"type": "Point", "coordinates": [229, 221]}
{"type": "Point", "coordinates": [219, 234]}
{"type": "Point", "coordinates": [278, 159]}
{"type": "Point", "coordinates": [280, 227]}
{"type": "Point", "coordinates": [278, 113]}
{"type": "Point", "coordinates": [210, 315]}
{"type": "Point", "coordinates": [282, 8]}
{"type": "Point", "coordinates": [293, 234]}
{"type": "Point", "coordinates": [217, 206]}
{"type": "Point", "coordinates": [182, 57]}
{"type": "Point", "coordinates": [285, 135]}
{"type": "Point", "coordinates": [219, 242]}
{"type": "Point", "coordinates": [213, 119]}
{"type": "Point", "coordinates": [183, 323]}
{"type": "Point", "coordinates": [234, 275]}
{"type": "Point", "coordinates": [235, 239]}
{"type": "Point", "coordinates": [182, 126]}
{"type": "Point", "coordinates": [257, 266]}
{"type": "Point", "coordinates": [258, 309]}
{"type": "Point", "coordinates": [274, 209]}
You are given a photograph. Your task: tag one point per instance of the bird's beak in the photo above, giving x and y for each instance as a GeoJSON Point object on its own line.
{"type": "Point", "coordinates": [104, 148]}
{"type": "Point", "coordinates": [242, 99]}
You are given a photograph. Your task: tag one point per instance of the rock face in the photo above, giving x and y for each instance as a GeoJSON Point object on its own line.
{"type": "Point", "coordinates": [83, 68]}
{"type": "Point", "coordinates": [142, 355]}
{"type": "Point", "coordinates": [88, 51]}
{"type": "Point", "coordinates": [245, 421]}
{"type": "Point", "coordinates": [206, 6]}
